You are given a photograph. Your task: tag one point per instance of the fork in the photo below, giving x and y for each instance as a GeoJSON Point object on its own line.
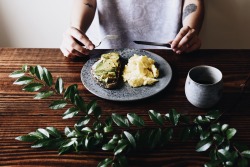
{"type": "Point", "coordinates": [107, 37]}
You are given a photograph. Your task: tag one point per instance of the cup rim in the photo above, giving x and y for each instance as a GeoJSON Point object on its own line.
{"type": "Point", "coordinates": [207, 66]}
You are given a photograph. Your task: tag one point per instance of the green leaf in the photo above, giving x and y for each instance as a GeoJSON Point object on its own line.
{"type": "Point", "coordinates": [167, 135]}
{"type": "Point", "coordinates": [70, 113]}
{"type": "Point", "coordinates": [156, 117]}
{"type": "Point", "coordinates": [59, 85]}
{"type": "Point", "coordinates": [44, 132]}
{"type": "Point", "coordinates": [185, 133]}
{"type": "Point", "coordinates": [224, 155]}
{"type": "Point", "coordinates": [47, 77]}
{"type": "Point", "coordinates": [154, 138]}
{"type": "Point", "coordinates": [201, 120]}
{"type": "Point", "coordinates": [39, 72]}
{"type": "Point", "coordinates": [27, 138]}
{"type": "Point", "coordinates": [174, 117]}
{"type": "Point", "coordinates": [108, 146]}
{"type": "Point", "coordinates": [122, 160]}
{"type": "Point", "coordinates": [86, 129]}
{"type": "Point", "coordinates": [70, 92]}
{"type": "Point", "coordinates": [79, 102]}
{"type": "Point", "coordinates": [109, 121]}
{"type": "Point", "coordinates": [38, 135]}
{"type": "Point", "coordinates": [91, 107]}
{"type": "Point", "coordinates": [32, 87]}
{"type": "Point", "coordinates": [130, 138]}
{"type": "Point", "coordinates": [97, 125]}
{"type": "Point", "coordinates": [120, 120]}
{"type": "Point", "coordinates": [25, 68]}
{"type": "Point", "coordinates": [108, 129]}
{"type": "Point", "coordinates": [215, 128]}
{"type": "Point", "coordinates": [203, 145]}
{"type": "Point", "coordinates": [246, 153]}
{"type": "Point", "coordinates": [17, 74]}
{"type": "Point", "coordinates": [41, 144]}
{"type": "Point", "coordinates": [230, 133]}
{"type": "Point", "coordinates": [135, 119]}
{"type": "Point", "coordinates": [122, 144]}
{"type": "Point", "coordinates": [59, 104]}
{"type": "Point", "coordinates": [224, 127]}
{"type": "Point", "coordinates": [205, 135]}
{"type": "Point", "coordinates": [105, 162]}
{"type": "Point", "coordinates": [213, 114]}
{"type": "Point", "coordinates": [32, 70]}
{"type": "Point", "coordinates": [23, 80]}
{"type": "Point", "coordinates": [43, 94]}
{"type": "Point", "coordinates": [218, 139]}
{"type": "Point", "coordinates": [53, 131]}
{"type": "Point", "coordinates": [213, 164]}
{"type": "Point", "coordinates": [83, 121]}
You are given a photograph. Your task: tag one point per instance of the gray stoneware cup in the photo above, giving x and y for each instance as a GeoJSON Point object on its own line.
{"type": "Point", "coordinates": [204, 85]}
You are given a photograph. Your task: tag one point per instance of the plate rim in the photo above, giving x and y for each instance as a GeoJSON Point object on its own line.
{"type": "Point", "coordinates": [170, 75]}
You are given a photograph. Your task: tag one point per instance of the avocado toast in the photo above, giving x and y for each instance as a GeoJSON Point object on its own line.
{"type": "Point", "coordinates": [106, 70]}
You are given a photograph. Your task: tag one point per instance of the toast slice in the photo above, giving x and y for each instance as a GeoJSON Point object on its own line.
{"type": "Point", "coordinates": [106, 70]}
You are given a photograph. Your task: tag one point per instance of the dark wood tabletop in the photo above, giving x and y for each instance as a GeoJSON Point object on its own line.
{"type": "Point", "coordinates": [21, 114]}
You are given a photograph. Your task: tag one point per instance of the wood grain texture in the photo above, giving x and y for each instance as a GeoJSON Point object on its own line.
{"type": "Point", "coordinates": [20, 114]}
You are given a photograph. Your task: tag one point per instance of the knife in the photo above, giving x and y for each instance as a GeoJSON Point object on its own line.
{"type": "Point", "coordinates": [153, 43]}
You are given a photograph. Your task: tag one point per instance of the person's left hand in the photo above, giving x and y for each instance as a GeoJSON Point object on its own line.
{"type": "Point", "coordinates": [187, 40]}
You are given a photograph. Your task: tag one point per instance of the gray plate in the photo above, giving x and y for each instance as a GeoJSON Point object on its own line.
{"type": "Point", "coordinates": [124, 92]}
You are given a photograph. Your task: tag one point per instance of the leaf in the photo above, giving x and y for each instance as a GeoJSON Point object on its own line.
{"type": "Point", "coordinates": [108, 129]}
{"type": "Point", "coordinates": [213, 164]}
{"type": "Point", "coordinates": [122, 160]}
{"type": "Point", "coordinates": [213, 114]}
{"type": "Point", "coordinates": [91, 107]}
{"type": "Point", "coordinates": [83, 121]}
{"type": "Point", "coordinates": [27, 138]}
{"type": "Point", "coordinates": [246, 153]}
{"type": "Point", "coordinates": [120, 120]}
{"type": "Point", "coordinates": [156, 117]}
{"type": "Point", "coordinates": [41, 144]}
{"type": "Point", "coordinates": [135, 119]}
{"type": "Point", "coordinates": [53, 131]}
{"type": "Point", "coordinates": [86, 129]}
{"type": "Point", "coordinates": [167, 135]}
{"type": "Point", "coordinates": [108, 146]}
{"type": "Point", "coordinates": [70, 92]}
{"type": "Point", "coordinates": [230, 133]}
{"type": "Point", "coordinates": [185, 133]}
{"type": "Point", "coordinates": [39, 72]}
{"type": "Point", "coordinates": [130, 138]}
{"type": "Point", "coordinates": [105, 162]}
{"type": "Point", "coordinates": [47, 77]}
{"type": "Point", "coordinates": [224, 127]}
{"type": "Point", "coordinates": [37, 135]}
{"type": "Point", "coordinates": [32, 87]}
{"type": "Point", "coordinates": [201, 120]}
{"type": "Point", "coordinates": [32, 70]}
{"type": "Point", "coordinates": [43, 95]}
{"type": "Point", "coordinates": [218, 139]}
{"type": "Point", "coordinates": [205, 135]}
{"type": "Point", "coordinates": [17, 74]}
{"type": "Point", "coordinates": [23, 80]}
{"type": "Point", "coordinates": [97, 125]}
{"type": "Point", "coordinates": [59, 104]}
{"type": "Point", "coordinates": [224, 155]}
{"type": "Point", "coordinates": [174, 117]}
{"type": "Point", "coordinates": [122, 144]}
{"type": "Point", "coordinates": [25, 68]}
{"type": "Point", "coordinates": [70, 113]}
{"type": "Point", "coordinates": [44, 132]}
{"type": "Point", "coordinates": [154, 138]}
{"type": "Point", "coordinates": [59, 85]}
{"type": "Point", "coordinates": [216, 128]}
{"type": "Point", "coordinates": [79, 102]}
{"type": "Point", "coordinates": [203, 145]}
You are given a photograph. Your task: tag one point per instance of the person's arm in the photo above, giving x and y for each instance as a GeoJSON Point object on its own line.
{"type": "Point", "coordinates": [83, 12]}
{"type": "Point", "coordinates": [187, 39]}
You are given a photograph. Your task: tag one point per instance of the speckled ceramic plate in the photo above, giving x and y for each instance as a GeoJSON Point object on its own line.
{"type": "Point", "coordinates": [124, 92]}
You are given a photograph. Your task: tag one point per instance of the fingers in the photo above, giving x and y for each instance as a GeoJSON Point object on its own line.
{"type": "Point", "coordinates": [70, 47]}
{"type": "Point", "coordinates": [187, 40]}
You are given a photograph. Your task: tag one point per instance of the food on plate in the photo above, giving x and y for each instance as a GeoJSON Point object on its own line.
{"type": "Point", "coordinates": [106, 70]}
{"type": "Point", "coordinates": [139, 71]}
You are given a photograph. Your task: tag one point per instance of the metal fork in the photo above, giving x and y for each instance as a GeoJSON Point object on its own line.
{"type": "Point", "coordinates": [107, 37]}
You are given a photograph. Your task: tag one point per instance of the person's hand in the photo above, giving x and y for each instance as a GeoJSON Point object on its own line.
{"type": "Point", "coordinates": [75, 43]}
{"type": "Point", "coordinates": [187, 40]}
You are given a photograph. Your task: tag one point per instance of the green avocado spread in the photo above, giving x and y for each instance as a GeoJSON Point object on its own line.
{"type": "Point", "coordinates": [105, 69]}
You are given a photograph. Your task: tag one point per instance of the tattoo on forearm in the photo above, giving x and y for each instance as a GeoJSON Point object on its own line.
{"type": "Point", "coordinates": [89, 5]}
{"type": "Point", "coordinates": [188, 10]}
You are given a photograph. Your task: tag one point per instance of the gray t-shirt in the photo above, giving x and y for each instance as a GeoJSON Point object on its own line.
{"type": "Point", "coordinates": [149, 20]}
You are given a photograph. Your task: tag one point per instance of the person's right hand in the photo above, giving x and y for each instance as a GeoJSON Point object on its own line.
{"type": "Point", "coordinates": [70, 46]}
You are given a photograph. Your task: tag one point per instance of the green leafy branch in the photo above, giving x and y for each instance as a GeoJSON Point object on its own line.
{"type": "Point", "coordinates": [122, 134]}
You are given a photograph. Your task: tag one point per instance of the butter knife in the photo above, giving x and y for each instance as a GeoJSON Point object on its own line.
{"type": "Point", "coordinates": [153, 43]}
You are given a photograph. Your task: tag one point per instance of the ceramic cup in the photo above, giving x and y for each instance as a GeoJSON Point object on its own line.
{"type": "Point", "coordinates": [203, 87]}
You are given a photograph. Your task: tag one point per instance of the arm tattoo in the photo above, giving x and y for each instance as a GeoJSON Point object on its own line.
{"type": "Point", "coordinates": [89, 5]}
{"type": "Point", "coordinates": [188, 10]}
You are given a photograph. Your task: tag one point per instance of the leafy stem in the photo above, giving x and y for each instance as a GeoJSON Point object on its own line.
{"type": "Point", "coordinates": [95, 131]}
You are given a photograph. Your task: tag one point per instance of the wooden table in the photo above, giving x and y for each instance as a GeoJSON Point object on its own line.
{"type": "Point", "coordinates": [21, 114]}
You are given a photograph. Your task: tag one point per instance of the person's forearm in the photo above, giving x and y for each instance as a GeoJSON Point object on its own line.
{"type": "Point", "coordinates": [83, 13]}
{"type": "Point", "coordinates": [193, 14]}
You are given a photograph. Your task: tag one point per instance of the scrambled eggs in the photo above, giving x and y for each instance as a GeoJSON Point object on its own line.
{"type": "Point", "coordinates": [139, 71]}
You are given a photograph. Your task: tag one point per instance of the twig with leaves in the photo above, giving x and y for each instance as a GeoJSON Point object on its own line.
{"type": "Point", "coordinates": [114, 132]}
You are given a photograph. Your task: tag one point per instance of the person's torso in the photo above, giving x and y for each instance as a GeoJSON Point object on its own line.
{"type": "Point", "coordinates": [148, 20]}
